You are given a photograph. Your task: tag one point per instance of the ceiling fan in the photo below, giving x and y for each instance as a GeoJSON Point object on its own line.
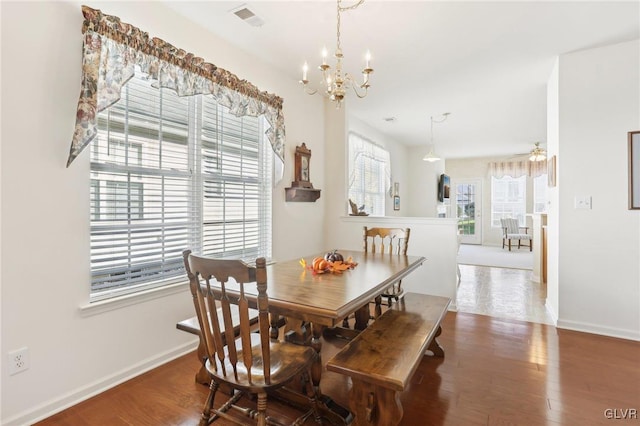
{"type": "Point", "coordinates": [536, 154]}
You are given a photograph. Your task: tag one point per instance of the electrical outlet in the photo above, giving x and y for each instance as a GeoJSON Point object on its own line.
{"type": "Point", "coordinates": [18, 361]}
{"type": "Point", "coordinates": [582, 202]}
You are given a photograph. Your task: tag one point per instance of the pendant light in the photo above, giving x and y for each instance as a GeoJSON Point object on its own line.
{"type": "Point", "coordinates": [431, 156]}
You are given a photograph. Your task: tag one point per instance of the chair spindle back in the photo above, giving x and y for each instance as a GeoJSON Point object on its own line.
{"type": "Point", "coordinates": [210, 288]}
{"type": "Point", "coordinates": [386, 240]}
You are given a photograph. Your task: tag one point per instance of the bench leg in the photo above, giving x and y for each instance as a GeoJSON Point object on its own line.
{"type": "Point", "coordinates": [435, 347]}
{"type": "Point", "coordinates": [373, 405]}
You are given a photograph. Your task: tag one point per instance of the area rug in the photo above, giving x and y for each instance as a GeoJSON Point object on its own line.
{"type": "Point", "coordinates": [498, 257]}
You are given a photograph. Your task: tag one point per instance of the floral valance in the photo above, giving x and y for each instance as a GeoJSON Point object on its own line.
{"type": "Point", "coordinates": [111, 51]}
{"type": "Point", "coordinates": [517, 169]}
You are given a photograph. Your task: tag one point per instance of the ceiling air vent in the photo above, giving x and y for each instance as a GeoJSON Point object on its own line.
{"type": "Point", "coordinates": [248, 16]}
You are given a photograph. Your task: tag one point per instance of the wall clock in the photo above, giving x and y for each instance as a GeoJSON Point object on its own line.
{"type": "Point", "coordinates": [301, 188]}
{"type": "Point", "coordinates": [301, 166]}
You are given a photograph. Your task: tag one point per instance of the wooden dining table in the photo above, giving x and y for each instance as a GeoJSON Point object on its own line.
{"type": "Point", "coordinates": [313, 303]}
{"type": "Point", "coordinates": [325, 299]}
{"type": "Point", "coordinates": [322, 301]}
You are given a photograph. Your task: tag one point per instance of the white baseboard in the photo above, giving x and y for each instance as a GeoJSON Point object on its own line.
{"type": "Point", "coordinates": [76, 396]}
{"type": "Point", "coordinates": [598, 329]}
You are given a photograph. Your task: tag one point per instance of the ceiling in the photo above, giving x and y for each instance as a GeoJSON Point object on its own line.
{"type": "Point", "coordinates": [487, 63]}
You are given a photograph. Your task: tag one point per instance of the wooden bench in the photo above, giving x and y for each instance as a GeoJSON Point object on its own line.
{"type": "Point", "coordinates": [382, 359]}
{"type": "Point", "coordinates": [191, 325]}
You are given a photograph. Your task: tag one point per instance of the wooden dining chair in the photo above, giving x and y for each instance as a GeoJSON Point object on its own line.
{"type": "Point", "coordinates": [256, 363]}
{"type": "Point", "coordinates": [392, 241]}
{"type": "Point", "coordinates": [382, 240]}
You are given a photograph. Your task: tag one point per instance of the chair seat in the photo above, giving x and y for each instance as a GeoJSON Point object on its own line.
{"type": "Point", "coordinates": [282, 367]}
{"type": "Point", "coordinates": [519, 236]}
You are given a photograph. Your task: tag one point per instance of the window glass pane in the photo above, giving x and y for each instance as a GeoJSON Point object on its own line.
{"type": "Point", "coordinates": [540, 194]}
{"type": "Point", "coordinates": [368, 175]}
{"type": "Point", "coordinates": [170, 173]}
{"type": "Point", "coordinates": [508, 199]}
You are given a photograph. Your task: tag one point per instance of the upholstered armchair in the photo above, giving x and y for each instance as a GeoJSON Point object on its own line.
{"type": "Point", "coordinates": [512, 231]}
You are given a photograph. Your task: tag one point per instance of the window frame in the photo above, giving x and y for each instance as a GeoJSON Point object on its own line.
{"type": "Point", "coordinates": [244, 145]}
{"type": "Point", "coordinates": [363, 193]}
{"type": "Point", "coordinates": [520, 212]}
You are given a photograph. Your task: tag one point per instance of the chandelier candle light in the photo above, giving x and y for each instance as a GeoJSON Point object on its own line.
{"type": "Point", "coordinates": [335, 82]}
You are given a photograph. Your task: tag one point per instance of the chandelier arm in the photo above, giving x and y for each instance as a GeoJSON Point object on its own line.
{"type": "Point", "coordinates": [355, 90]}
{"type": "Point", "coordinates": [350, 7]}
{"type": "Point", "coordinates": [443, 119]}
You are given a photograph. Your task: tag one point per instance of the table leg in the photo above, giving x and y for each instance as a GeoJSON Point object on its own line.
{"type": "Point", "coordinates": [378, 306]}
{"type": "Point", "coordinates": [296, 331]}
{"type": "Point", "coordinates": [435, 347]}
{"type": "Point", "coordinates": [362, 317]}
{"type": "Point", "coordinates": [275, 329]}
{"type": "Point", "coordinates": [329, 409]}
{"type": "Point", "coordinates": [316, 344]}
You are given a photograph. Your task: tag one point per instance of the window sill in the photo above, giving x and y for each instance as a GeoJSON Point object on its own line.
{"type": "Point", "coordinates": [102, 306]}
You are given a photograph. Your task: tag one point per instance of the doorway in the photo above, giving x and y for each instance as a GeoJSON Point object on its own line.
{"type": "Point", "coordinates": [468, 196]}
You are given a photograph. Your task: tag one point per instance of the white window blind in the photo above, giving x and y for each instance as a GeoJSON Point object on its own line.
{"type": "Point", "coordinates": [170, 173]}
{"type": "Point", "coordinates": [508, 199]}
{"type": "Point", "coordinates": [369, 176]}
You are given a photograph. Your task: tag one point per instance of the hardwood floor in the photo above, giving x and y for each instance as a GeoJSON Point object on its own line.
{"type": "Point", "coordinates": [495, 372]}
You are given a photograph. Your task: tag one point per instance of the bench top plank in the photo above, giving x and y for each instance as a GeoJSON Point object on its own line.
{"type": "Point", "coordinates": [388, 352]}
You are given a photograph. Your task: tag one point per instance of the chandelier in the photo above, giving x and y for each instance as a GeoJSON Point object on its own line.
{"type": "Point", "coordinates": [431, 156]}
{"type": "Point", "coordinates": [336, 83]}
{"type": "Point", "coordinates": [537, 153]}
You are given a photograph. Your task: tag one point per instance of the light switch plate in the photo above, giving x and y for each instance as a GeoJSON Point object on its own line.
{"type": "Point", "coordinates": [582, 202]}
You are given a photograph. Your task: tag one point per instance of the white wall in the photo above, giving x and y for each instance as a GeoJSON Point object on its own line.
{"type": "Point", "coordinates": [598, 249]}
{"type": "Point", "coordinates": [422, 200]}
{"type": "Point", "coordinates": [45, 208]}
{"type": "Point", "coordinates": [553, 215]}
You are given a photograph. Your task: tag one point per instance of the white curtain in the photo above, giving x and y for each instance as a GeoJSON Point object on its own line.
{"type": "Point", "coordinates": [515, 169]}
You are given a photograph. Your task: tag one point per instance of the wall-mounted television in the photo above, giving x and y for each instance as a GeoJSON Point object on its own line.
{"type": "Point", "coordinates": [444, 186]}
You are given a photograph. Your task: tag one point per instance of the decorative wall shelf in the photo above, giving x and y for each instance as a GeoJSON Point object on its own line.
{"type": "Point", "coordinates": [301, 194]}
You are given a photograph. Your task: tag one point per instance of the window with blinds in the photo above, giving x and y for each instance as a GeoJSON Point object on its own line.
{"type": "Point", "coordinates": [170, 173]}
{"type": "Point", "coordinates": [368, 175]}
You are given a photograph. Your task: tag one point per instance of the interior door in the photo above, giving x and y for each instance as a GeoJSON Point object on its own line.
{"type": "Point", "coordinates": [468, 196]}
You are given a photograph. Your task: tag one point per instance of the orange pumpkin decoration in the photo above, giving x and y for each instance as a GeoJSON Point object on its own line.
{"type": "Point", "coordinates": [319, 264]}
